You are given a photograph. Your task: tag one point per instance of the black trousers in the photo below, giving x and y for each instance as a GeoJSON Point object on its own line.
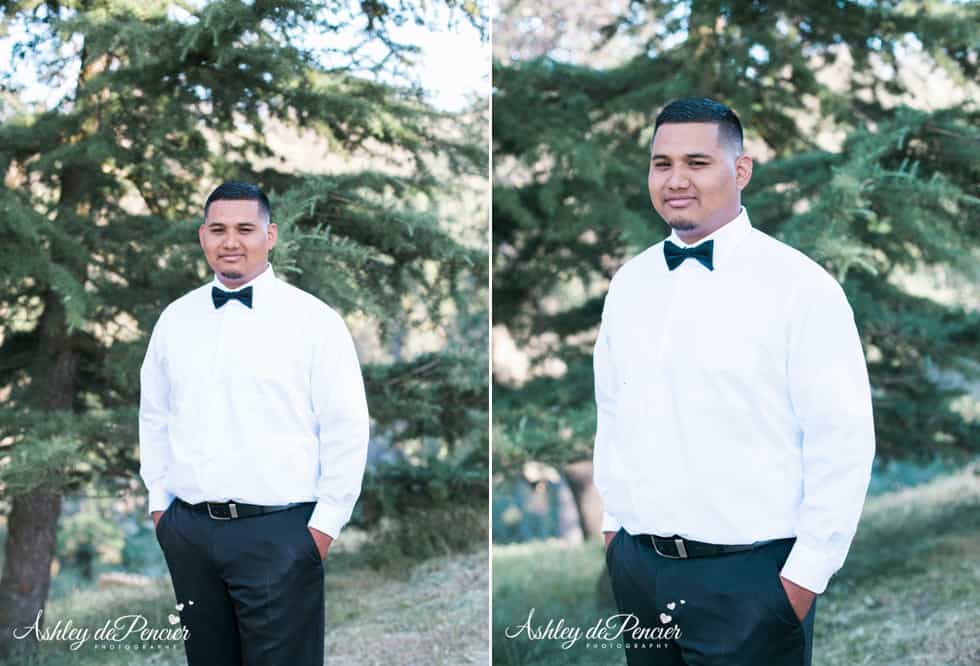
{"type": "Point", "coordinates": [729, 610]}
{"type": "Point", "coordinates": [250, 590]}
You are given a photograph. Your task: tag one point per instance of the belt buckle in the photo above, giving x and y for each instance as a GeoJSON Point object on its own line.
{"type": "Point", "coordinates": [678, 542]}
{"type": "Point", "coordinates": [232, 509]}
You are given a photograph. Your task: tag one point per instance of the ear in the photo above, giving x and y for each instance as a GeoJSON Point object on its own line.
{"type": "Point", "coordinates": [200, 236]}
{"type": "Point", "coordinates": [743, 171]}
{"type": "Point", "coordinates": [272, 234]}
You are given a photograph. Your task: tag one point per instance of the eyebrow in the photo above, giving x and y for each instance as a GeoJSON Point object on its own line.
{"type": "Point", "coordinates": [690, 156]}
{"type": "Point", "coordinates": [218, 223]}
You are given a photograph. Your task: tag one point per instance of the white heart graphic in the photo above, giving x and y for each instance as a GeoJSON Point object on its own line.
{"type": "Point", "coordinates": [671, 606]}
{"type": "Point", "coordinates": [173, 619]}
{"type": "Point", "coordinates": [192, 603]}
{"type": "Point", "coordinates": [664, 618]}
{"type": "Point", "coordinates": [179, 607]}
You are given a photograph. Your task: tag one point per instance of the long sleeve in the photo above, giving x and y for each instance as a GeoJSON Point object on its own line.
{"type": "Point", "coordinates": [154, 416]}
{"type": "Point", "coordinates": [831, 398]}
{"type": "Point", "coordinates": [341, 413]}
{"type": "Point", "coordinates": [605, 399]}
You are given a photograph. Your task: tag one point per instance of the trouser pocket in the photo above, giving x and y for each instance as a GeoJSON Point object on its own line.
{"type": "Point", "coordinates": [163, 517]}
{"type": "Point", "coordinates": [612, 545]}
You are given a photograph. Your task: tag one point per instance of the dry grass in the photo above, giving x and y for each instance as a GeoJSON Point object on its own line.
{"type": "Point", "coordinates": [437, 616]}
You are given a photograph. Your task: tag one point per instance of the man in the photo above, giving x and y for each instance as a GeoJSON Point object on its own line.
{"type": "Point", "coordinates": [253, 442]}
{"type": "Point", "coordinates": [735, 434]}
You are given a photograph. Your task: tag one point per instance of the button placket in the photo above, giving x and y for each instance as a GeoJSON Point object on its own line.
{"type": "Point", "coordinates": [215, 379]}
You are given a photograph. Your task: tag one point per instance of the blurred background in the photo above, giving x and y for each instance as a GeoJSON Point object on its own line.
{"type": "Point", "coordinates": [367, 124]}
{"type": "Point", "coordinates": [862, 118]}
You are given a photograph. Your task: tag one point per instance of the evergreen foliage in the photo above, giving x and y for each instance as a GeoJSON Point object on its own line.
{"type": "Point", "coordinates": [102, 192]}
{"type": "Point", "coordinates": [899, 194]}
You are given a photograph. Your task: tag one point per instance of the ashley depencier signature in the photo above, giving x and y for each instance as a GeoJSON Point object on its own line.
{"type": "Point", "coordinates": [113, 631]}
{"type": "Point", "coordinates": [610, 629]}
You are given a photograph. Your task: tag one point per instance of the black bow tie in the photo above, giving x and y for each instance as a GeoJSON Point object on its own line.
{"type": "Point", "coordinates": [220, 296]}
{"type": "Point", "coordinates": [676, 255]}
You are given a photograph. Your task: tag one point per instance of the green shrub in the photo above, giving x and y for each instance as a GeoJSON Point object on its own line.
{"type": "Point", "coordinates": [421, 533]}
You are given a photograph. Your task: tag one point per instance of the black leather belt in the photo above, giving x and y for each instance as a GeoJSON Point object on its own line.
{"type": "Point", "coordinates": [678, 548]}
{"type": "Point", "coordinates": [232, 510]}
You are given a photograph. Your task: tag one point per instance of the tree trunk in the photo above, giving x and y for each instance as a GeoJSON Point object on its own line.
{"type": "Point", "coordinates": [579, 477]}
{"type": "Point", "coordinates": [569, 516]}
{"type": "Point", "coordinates": [32, 530]}
{"type": "Point", "coordinates": [32, 525]}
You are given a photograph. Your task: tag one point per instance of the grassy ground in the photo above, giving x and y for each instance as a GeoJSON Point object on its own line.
{"type": "Point", "coordinates": [908, 595]}
{"type": "Point", "coordinates": [432, 613]}
{"type": "Point", "coordinates": [437, 615]}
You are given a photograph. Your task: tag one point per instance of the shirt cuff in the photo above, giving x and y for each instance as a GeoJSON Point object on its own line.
{"type": "Point", "coordinates": [159, 499]}
{"type": "Point", "coordinates": [809, 567]}
{"type": "Point", "coordinates": [328, 519]}
{"type": "Point", "coordinates": [609, 524]}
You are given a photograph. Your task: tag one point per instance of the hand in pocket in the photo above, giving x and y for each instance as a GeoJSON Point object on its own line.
{"type": "Point", "coordinates": [799, 597]}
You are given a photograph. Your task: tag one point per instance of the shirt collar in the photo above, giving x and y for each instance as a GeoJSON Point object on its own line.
{"type": "Point", "coordinates": [261, 282]}
{"type": "Point", "coordinates": [726, 237]}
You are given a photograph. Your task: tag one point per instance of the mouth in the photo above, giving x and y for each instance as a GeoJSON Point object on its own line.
{"type": "Point", "coordinates": [232, 258]}
{"type": "Point", "coordinates": [679, 202]}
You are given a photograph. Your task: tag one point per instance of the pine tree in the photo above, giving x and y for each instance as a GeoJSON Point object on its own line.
{"type": "Point", "coordinates": [102, 194]}
{"type": "Point", "coordinates": [898, 194]}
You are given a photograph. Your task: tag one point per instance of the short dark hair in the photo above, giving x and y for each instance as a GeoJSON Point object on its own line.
{"type": "Point", "coordinates": [703, 110]}
{"type": "Point", "coordinates": [236, 190]}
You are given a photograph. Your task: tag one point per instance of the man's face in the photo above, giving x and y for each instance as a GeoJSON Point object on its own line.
{"type": "Point", "coordinates": [695, 181]}
{"type": "Point", "coordinates": [236, 240]}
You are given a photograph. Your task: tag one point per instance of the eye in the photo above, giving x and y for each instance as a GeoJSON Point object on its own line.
{"type": "Point", "coordinates": [699, 164]}
{"type": "Point", "coordinates": [661, 165]}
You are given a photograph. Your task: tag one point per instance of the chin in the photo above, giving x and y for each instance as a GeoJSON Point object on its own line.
{"type": "Point", "coordinates": [682, 225]}
{"type": "Point", "coordinates": [231, 275]}
{"type": "Point", "coordinates": [676, 220]}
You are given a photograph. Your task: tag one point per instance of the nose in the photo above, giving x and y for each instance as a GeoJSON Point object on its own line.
{"type": "Point", "coordinates": [677, 180]}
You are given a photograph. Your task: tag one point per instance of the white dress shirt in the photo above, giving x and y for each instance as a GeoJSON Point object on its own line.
{"type": "Point", "coordinates": [261, 406]}
{"type": "Point", "coordinates": [734, 404]}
